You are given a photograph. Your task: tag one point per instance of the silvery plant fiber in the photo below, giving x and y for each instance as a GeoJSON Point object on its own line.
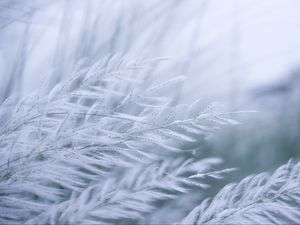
{"type": "Point", "coordinates": [149, 112]}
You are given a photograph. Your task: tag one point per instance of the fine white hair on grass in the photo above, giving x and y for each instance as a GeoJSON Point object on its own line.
{"type": "Point", "coordinates": [108, 145]}
{"type": "Point", "coordinates": [257, 199]}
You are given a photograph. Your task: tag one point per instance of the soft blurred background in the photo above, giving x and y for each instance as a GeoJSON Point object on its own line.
{"type": "Point", "coordinates": [244, 54]}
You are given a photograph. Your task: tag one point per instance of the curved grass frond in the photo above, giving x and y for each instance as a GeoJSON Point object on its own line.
{"type": "Point", "coordinates": [258, 199]}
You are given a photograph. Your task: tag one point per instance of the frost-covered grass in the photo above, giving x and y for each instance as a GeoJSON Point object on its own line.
{"type": "Point", "coordinates": [106, 146]}
{"type": "Point", "coordinates": [89, 136]}
{"type": "Point", "coordinates": [257, 199]}
{"type": "Point", "coordinates": [111, 146]}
